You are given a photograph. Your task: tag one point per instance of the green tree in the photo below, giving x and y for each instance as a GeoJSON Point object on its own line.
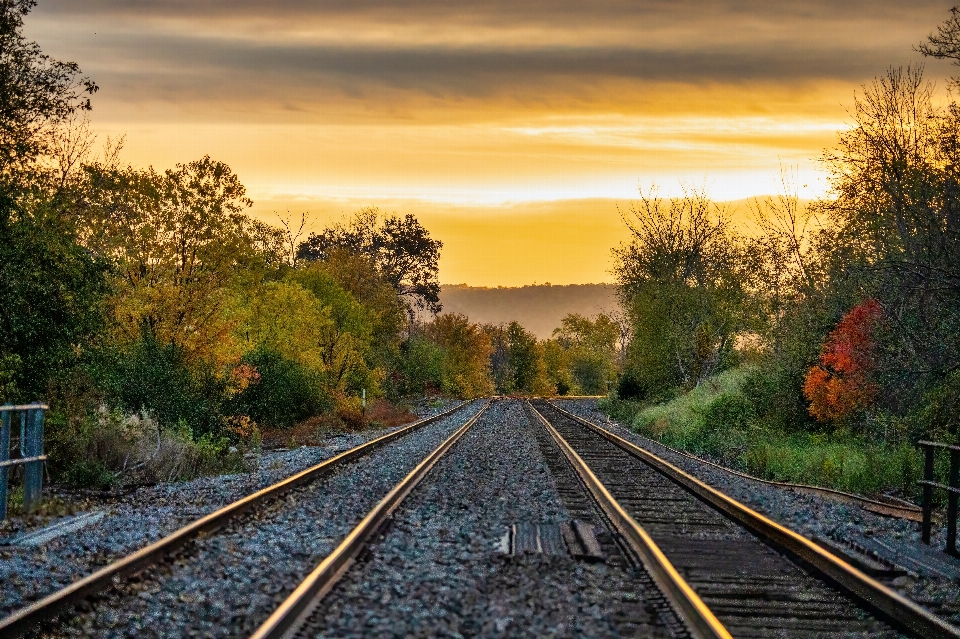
{"type": "Point", "coordinates": [465, 364]}
{"type": "Point", "coordinates": [51, 287]}
{"type": "Point", "coordinates": [38, 96]}
{"type": "Point", "coordinates": [180, 240]}
{"type": "Point", "coordinates": [591, 347]}
{"type": "Point", "coordinates": [895, 222]}
{"type": "Point", "coordinates": [51, 291]}
{"type": "Point", "coordinates": [682, 281]}
{"type": "Point", "coordinates": [401, 250]}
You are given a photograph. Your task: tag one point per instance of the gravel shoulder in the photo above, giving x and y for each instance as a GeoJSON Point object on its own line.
{"type": "Point", "coordinates": [147, 514]}
{"type": "Point", "coordinates": [439, 571]}
{"type": "Point", "coordinates": [931, 575]}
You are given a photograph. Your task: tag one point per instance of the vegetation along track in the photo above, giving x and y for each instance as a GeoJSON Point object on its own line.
{"type": "Point", "coordinates": [759, 579]}
{"type": "Point", "coordinates": [208, 567]}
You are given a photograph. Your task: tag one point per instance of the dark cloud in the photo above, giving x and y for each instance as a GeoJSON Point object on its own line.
{"type": "Point", "coordinates": [293, 52]}
{"type": "Point", "coordinates": [569, 12]}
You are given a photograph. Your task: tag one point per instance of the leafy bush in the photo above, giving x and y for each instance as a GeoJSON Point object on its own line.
{"type": "Point", "coordinates": [51, 289]}
{"type": "Point", "coordinates": [154, 377]}
{"type": "Point", "coordinates": [419, 367]}
{"type": "Point", "coordinates": [631, 388]}
{"type": "Point", "coordinates": [102, 449]}
{"type": "Point", "coordinates": [86, 473]}
{"type": "Point", "coordinates": [284, 392]}
{"type": "Point", "coordinates": [840, 385]}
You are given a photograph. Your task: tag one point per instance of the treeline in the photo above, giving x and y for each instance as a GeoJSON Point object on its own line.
{"type": "Point", "coordinates": [453, 356]}
{"type": "Point", "coordinates": [165, 326]}
{"type": "Point", "coordinates": [841, 316]}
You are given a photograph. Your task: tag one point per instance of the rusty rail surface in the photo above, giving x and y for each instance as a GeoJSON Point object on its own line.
{"type": "Point", "coordinates": [22, 620]}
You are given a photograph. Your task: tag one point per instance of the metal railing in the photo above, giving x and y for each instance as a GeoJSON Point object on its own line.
{"type": "Point", "coordinates": [30, 418]}
{"type": "Point", "coordinates": [952, 488]}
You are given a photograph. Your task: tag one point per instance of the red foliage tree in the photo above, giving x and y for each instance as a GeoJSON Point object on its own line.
{"type": "Point", "coordinates": [840, 385]}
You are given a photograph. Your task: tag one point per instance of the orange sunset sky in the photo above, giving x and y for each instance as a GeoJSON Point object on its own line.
{"type": "Point", "coordinates": [512, 129]}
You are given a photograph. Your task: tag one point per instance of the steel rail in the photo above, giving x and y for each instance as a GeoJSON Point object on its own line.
{"type": "Point", "coordinates": [22, 620]}
{"type": "Point", "coordinates": [904, 510]}
{"type": "Point", "coordinates": [699, 619]}
{"type": "Point", "coordinates": [870, 592]}
{"type": "Point", "coordinates": [295, 610]}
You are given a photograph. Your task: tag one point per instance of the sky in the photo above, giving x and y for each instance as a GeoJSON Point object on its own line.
{"type": "Point", "coordinates": [514, 130]}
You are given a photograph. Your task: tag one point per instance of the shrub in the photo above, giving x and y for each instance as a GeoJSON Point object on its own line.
{"type": "Point", "coordinates": [420, 367]}
{"type": "Point", "coordinates": [155, 378]}
{"type": "Point", "coordinates": [89, 474]}
{"type": "Point", "coordinates": [631, 388]}
{"type": "Point", "coordinates": [283, 393]}
{"type": "Point", "coordinates": [720, 418]}
{"type": "Point", "coordinates": [730, 410]}
{"type": "Point", "coordinates": [101, 449]}
{"type": "Point", "coordinates": [840, 386]}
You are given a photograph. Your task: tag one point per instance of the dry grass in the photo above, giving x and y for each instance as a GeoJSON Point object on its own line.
{"type": "Point", "coordinates": [109, 450]}
{"type": "Point", "coordinates": [381, 413]}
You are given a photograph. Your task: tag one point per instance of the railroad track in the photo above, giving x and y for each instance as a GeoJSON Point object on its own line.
{"type": "Point", "coordinates": [297, 608]}
{"type": "Point", "coordinates": [178, 546]}
{"type": "Point", "coordinates": [645, 613]}
{"type": "Point", "coordinates": [735, 573]}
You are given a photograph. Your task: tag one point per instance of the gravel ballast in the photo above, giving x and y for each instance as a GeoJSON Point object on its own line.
{"type": "Point", "coordinates": [145, 515]}
{"type": "Point", "coordinates": [440, 571]}
{"type": "Point", "coordinates": [216, 580]}
{"type": "Point", "coordinates": [895, 540]}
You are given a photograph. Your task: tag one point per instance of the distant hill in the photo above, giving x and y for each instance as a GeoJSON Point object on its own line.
{"type": "Point", "coordinates": [538, 307]}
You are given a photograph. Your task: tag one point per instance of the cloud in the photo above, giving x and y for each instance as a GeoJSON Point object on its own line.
{"type": "Point", "coordinates": [403, 59]}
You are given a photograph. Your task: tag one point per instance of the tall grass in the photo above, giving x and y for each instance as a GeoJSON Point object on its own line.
{"type": "Point", "coordinates": [715, 420]}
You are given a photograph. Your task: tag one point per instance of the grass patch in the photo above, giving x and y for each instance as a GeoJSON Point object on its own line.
{"type": "Point", "coordinates": [717, 420]}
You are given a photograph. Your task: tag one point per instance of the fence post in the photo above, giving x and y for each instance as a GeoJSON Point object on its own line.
{"type": "Point", "coordinates": [927, 493]}
{"type": "Point", "coordinates": [952, 499]}
{"type": "Point", "coordinates": [4, 456]}
{"type": "Point", "coordinates": [33, 473]}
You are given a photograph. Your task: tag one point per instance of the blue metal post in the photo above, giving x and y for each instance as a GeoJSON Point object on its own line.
{"type": "Point", "coordinates": [33, 473]}
{"type": "Point", "coordinates": [4, 456]}
{"type": "Point", "coordinates": [953, 501]}
{"type": "Point", "coordinates": [927, 499]}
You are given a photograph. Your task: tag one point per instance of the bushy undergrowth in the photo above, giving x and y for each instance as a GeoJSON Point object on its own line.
{"type": "Point", "coordinates": [719, 420]}
{"type": "Point", "coordinates": [284, 392]}
{"type": "Point", "coordinates": [107, 449]}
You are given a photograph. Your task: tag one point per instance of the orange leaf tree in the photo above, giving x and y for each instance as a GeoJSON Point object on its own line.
{"type": "Point", "coordinates": [840, 385]}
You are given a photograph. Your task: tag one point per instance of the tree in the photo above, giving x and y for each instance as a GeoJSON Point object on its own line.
{"type": "Point", "coordinates": [465, 363]}
{"type": "Point", "coordinates": [370, 301]}
{"type": "Point", "coordinates": [37, 95]}
{"type": "Point", "coordinates": [50, 300]}
{"type": "Point", "coordinates": [896, 228]}
{"type": "Point", "coordinates": [51, 288]}
{"type": "Point", "coordinates": [591, 347]}
{"type": "Point", "coordinates": [178, 239]}
{"type": "Point", "coordinates": [401, 250]}
{"type": "Point", "coordinates": [525, 356]}
{"type": "Point", "coordinates": [841, 385]}
{"type": "Point", "coordinates": [946, 42]}
{"type": "Point", "coordinates": [682, 281]}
